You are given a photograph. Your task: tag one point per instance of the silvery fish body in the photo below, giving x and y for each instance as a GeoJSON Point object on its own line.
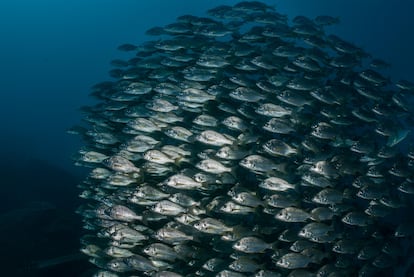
{"type": "Point", "coordinates": [214, 138]}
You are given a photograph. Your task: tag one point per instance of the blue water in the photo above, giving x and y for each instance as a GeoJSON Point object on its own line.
{"type": "Point", "coordinates": [52, 52]}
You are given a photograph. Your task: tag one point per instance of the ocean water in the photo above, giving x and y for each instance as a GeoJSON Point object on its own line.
{"type": "Point", "coordinates": [52, 52]}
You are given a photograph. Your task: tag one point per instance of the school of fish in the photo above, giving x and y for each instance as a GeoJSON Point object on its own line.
{"type": "Point", "coordinates": [247, 144]}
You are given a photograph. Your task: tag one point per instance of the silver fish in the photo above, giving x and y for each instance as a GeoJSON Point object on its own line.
{"type": "Point", "coordinates": [292, 214]}
{"type": "Point", "coordinates": [214, 138]}
{"type": "Point", "coordinates": [251, 245]}
{"type": "Point", "coordinates": [293, 260]}
{"type": "Point", "coordinates": [212, 226]}
{"type": "Point", "coordinates": [260, 164]}
{"type": "Point", "coordinates": [166, 207]}
{"type": "Point", "coordinates": [212, 166]}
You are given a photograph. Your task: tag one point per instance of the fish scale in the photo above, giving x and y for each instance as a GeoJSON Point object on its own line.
{"type": "Point", "coordinates": [286, 119]}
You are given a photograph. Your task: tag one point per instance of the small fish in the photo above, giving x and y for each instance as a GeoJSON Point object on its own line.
{"type": "Point", "coordinates": [277, 184]}
{"type": "Point", "coordinates": [357, 219]}
{"type": "Point", "coordinates": [273, 110]}
{"type": "Point", "coordinates": [92, 157]}
{"type": "Point", "coordinates": [368, 252]}
{"type": "Point", "coordinates": [323, 130]}
{"type": "Point", "coordinates": [117, 252]}
{"type": "Point", "coordinates": [328, 196]}
{"type": "Point", "coordinates": [212, 226]}
{"type": "Point", "coordinates": [92, 250]}
{"type": "Point", "coordinates": [245, 264]}
{"type": "Point", "coordinates": [378, 63]}
{"type": "Point", "coordinates": [293, 98]}
{"type": "Point", "coordinates": [214, 138]}
{"type": "Point", "coordinates": [161, 251]}
{"type": "Point", "coordinates": [120, 179]}
{"type": "Point", "coordinates": [120, 164]}
{"type": "Point", "coordinates": [231, 153]}
{"type": "Point", "coordinates": [316, 180]}
{"type": "Point", "coordinates": [251, 245]}
{"type": "Point", "coordinates": [179, 133]}
{"type": "Point", "coordinates": [279, 148]}
{"type": "Point", "coordinates": [119, 265]}
{"type": "Point", "coordinates": [183, 200]}
{"type": "Point", "coordinates": [233, 208]}
{"type": "Point", "coordinates": [397, 137]}
{"type": "Point", "coordinates": [166, 207]}
{"type": "Point", "coordinates": [246, 94]}
{"type": "Point", "coordinates": [278, 126]}
{"type": "Point", "coordinates": [195, 95]}
{"type": "Point", "coordinates": [317, 232]}
{"type": "Point", "coordinates": [205, 120]}
{"type": "Point", "coordinates": [156, 156]}
{"type": "Point", "coordinates": [325, 169]}
{"type": "Point", "coordinates": [260, 164]}
{"type": "Point", "coordinates": [161, 105]}
{"type": "Point", "coordinates": [180, 181]}
{"type": "Point", "coordinates": [100, 173]}
{"type": "Point", "coordinates": [139, 263]}
{"type": "Point", "coordinates": [321, 214]}
{"type": "Point", "coordinates": [404, 229]}
{"type": "Point", "coordinates": [143, 125]}
{"type": "Point", "coordinates": [405, 85]}
{"type": "Point", "coordinates": [150, 193]}
{"type": "Point", "coordinates": [347, 246]}
{"type": "Point", "coordinates": [175, 151]}
{"type": "Point", "coordinates": [122, 213]}
{"type": "Point", "coordinates": [127, 47]}
{"type": "Point", "coordinates": [373, 77]}
{"type": "Point", "coordinates": [172, 236]}
{"type": "Point", "coordinates": [326, 20]}
{"type": "Point", "coordinates": [212, 166]}
{"type": "Point", "coordinates": [301, 245]}
{"type": "Point", "coordinates": [292, 214]}
{"type": "Point", "coordinates": [124, 234]}
{"type": "Point", "coordinates": [235, 123]}
{"type": "Point", "coordinates": [214, 264]}
{"type": "Point", "coordinates": [247, 199]}
{"type": "Point", "coordinates": [293, 261]}
{"type": "Point", "coordinates": [186, 219]}
{"type": "Point", "coordinates": [282, 200]}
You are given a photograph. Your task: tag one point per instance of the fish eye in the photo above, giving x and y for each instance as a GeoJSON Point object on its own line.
{"type": "Point", "coordinates": [115, 264]}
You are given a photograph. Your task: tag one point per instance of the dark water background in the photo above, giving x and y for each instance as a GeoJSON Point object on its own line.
{"type": "Point", "coordinates": [52, 52]}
